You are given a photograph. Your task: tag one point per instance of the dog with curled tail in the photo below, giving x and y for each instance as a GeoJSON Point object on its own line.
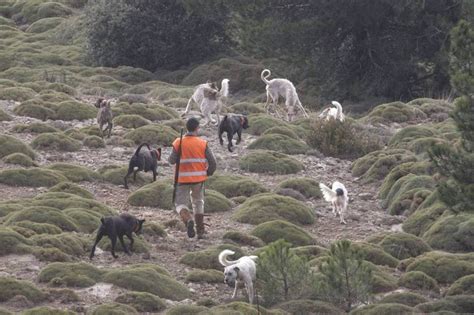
{"type": "Point", "coordinates": [337, 196]}
{"type": "Point", "coordinates": [242, 270]}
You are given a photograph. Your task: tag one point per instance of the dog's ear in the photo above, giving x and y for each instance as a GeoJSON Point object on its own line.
{"type": "Point", "coordinates": [237, 269]}
{"type": "Point", "coordinates": [141, 221]}
{"type": "Point", "coordinates": [158, 152]}
{"type": "Point", "coordinates": [102, 220]}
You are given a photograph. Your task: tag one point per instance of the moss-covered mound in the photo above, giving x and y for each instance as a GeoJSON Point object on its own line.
{"type": "Point", "coordinates": [71, 188]}
{"type": "Point", "coordinates": [55, 141]}
{"type": "Point", "coordinates": [425, 215]}
{"type": "Point", "coordinates": [274, 230]}
{"type": "Point", "coordinates": [33, 177]}
{"type": "Point", "coordinates": [73, 110]}
{"type": "Point", "coordinates": [70, 274]}
{"type": "Point", "coordinates": [418, 280]}
{"type": "Point", "coordinates": [283, 130]}
{"type": "Point", "coordinates": [4, 116]}
{"type": "Point", "coordinates": [157, 194]}
{"type": "Point", "coordinates": [403, 245]}
{"type": "Point", "coordinates": [114, 309]}
{"type": "Point", "coordinates": [9, 145]}
{"type": "Point", "coordinates": [187, 309]}
{"type": "Point", "coordinates": [376, 165]}
{"type": "Point", "coordinates": [309, 307]}
{"type": "Point", "coordinates": [405, 298]}
{"type": "Point", "coordinates": [38, 228]}
{"type": "Point", "coordinates": [234, 185]}
{"type": "Point", "coordinates": [17, 93]}
{"type": "Point", "coordinates": [12, 287]}
{"type": "Point", "coordinates": [207, 258]}
{"type": "Point", "coordinates": [114, 174]}
{"type": "Point", "coordinates": [246, 107]}
{"type": "Point", "coordinates": [75, 173]}
{"type": "Point", "coordinates": [452, 233]}
{"type": "Point", "coordinates": [151, 112]}
{"type": "Point", "coordinates": [242, 238]}
{"type": "Point", "coordinates": [306, 186]}
{"type": "Point", "coordinates": [397, 112]}
{"type": "Point", "coordinates": [444, 267]}
{"type": "Point", "coordinates": [462, 286]}
{"type": "Point", "coordinates": [280, 143]}
{"type": "Point", "coordinates": [13, 242]}
{"type": "Point", "coordinates": [153, 134]}
{"type": "Point", "coordinates": [259, 123]}
{"type": "Point", "coordinates": [86, 220]}
{"type": "Point", "coordinates": [153, 229]}
{"type": "Point", "coordinates": [45, 310]}
{"type": "Point", "coordinates": [19, 159]}
{"type": "Point", "coordinates": [61, 200]}
{"type": "Point", "coordinates": [34, 128]}
{"type": "Point", "coordinates": [35, 110]}
{"type": "Point", "coordinates": [94, 142]}
{"type": "Point", "coordinates": [457, 304]}
{"type": "Point", "coordinates": [68, 243]}
{"type": "Point", "coordinates": [216, 202]}
{"type": "Point", "coordinates": [385, 308]}
{"type": "Point", "coordinates": [266, 207]}
{"type": "Point", "coordinates": [208, 276]}
{"type": "Point", "coordinates": [142, 301]}
{"type": "Point", "coordinates": [145, 278]}
{"type": "Point", "coordinates": [375, 254]}
{"type": "Point", "coordinates": [243, 308]}
{"type": "Point", "coordinates": [416, 168]}
{"type": "Point", "coordinates": [269, 162]}
{"type": "Point", "coordinates": [131, 121]}
{"type": "Point", "coordinates": [139, 246]}
{"type": "Point", "coordinates": [42, 215]}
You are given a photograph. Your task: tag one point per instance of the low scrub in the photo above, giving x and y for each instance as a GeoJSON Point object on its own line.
{"type": "Point", "coordinates": [375, 254]}
{"type": "Point", "coordinates": [9, 145]}
{"type": "Point", "coordinates": [207, 258]}
{"type": "Point", "coordinates": [418, 280]}
{"type": "Point", "coordinates": [33, 177]}
{"type": "Point", "coordinates": [405, 298]}
{"type": "Point", "coordinates": [115, 309]}
{"type": "Point", "coordinates": [157, 194]}
{"type": "Point", "coordinates": [416, 168]}
{"type": "Point", "coordinates": [214, 201]}
{"type": "Point", "coordinates": [309, 307]}
{"type": "Point", "coordinates": [70, 274]}
{"type": "Point", "coordinates": [208, 276]}
{"type": "Point", "coordinates": [153, 134]}
{"type": "Point", "coordinates": [75, 173]}
{"type": "Point", "coordinates": [142, 301]}
{"type": "Point", "coordinates": [259, 123]}
{"type": "Point", "coordinates": [452, 233]}
{"type": "Point", "coordinates": [73, 110]}
{"type": "Point", "coordinates": [45, 310]}
{"type": "Point", "coordinates": [234, 185]}
{"type": "Point", "coordinates": [425, 216]}
{"type": "Point", "coordinates": [280, 143]}
{"type": "Point", "coordinates": [71, 188]}
{"type": "Point", "coordinates": [457, 304]}
{"type": "Point", "coordinates": [383, 308]}
{"type": "Point", "coordinates": [269, 162]}
{"type": "Point", "coordinates": [403, 245]}
{"type": "Point", "coordinates": [19, 159]}
{"type": "Point", "coordinates": [4, 116]}
{"type": "Point", "coordinates": [34, 128]}
{"type": "Point", "coordinates": [13, 242]}
{"type": "Point", "coordinates": [114, 174]}
{"type": "Point", "coordinates": [36, 110]}
{"type": "Point", "coordinates": [94, 142]}
{"type": "Point", "coordinates": [306, 186]}
{"type": "Point", "coordinates": [396, 112]}
{"type": "Point", "coordinates": [131, 121]}
{"type": "Point", "coordinates": [266, 207]}
{"type": "Point", "coordinates": [462, 286]}
{"type": "Point", "coordinates": [17, 93]}
{"type": "Point", "coordinates": [187, 309]}
{"type": "Point", "coordinates": [242, 238]}
{"type": "Point", "coordinates": [246, 107]}
{"type": "Point", "coordinates": [282, 130]}
{"type": "Point", "coordinates": [274, 230]}
{"type": "Point", "coordinates": [149, 112]}
{"type": "Point", "coordinates": [68, 243]}
{"type": "Point", "coordinates": [12, 287]}
{"type": "Point", "coordinates": [56, 141]}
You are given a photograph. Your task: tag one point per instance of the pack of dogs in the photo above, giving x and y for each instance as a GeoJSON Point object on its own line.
{"type": "Point", "coordinates": [211, 99]}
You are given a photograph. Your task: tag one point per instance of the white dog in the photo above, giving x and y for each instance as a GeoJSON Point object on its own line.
{"type": "Point", "coordinates": [241, 270]}
{"type": "Point", "coordinates": [338, 198]}
{"type": "Point", "coordinates": [332, 112]}
{"type": "Point", "coordinates": [277, 88]}
{"type": "Point", "coordinates": [209, 99]}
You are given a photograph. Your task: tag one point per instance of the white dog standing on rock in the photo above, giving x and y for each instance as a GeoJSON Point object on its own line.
{"type": "Point", "coordinates": [338, 198]}
{"type": "Point", "coordinates": [241, 270]}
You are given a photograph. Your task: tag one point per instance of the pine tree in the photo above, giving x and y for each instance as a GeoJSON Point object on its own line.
{"type": "Point", "coordinates": [347, 277]}
{"type": "Point", "coordinates": [456, 163]}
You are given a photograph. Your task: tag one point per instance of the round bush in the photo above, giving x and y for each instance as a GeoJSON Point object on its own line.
{"type": "Point", "coordinates": [44, 25]}
{"type": "Point", "coordinates": [9, 145]}
{"type": "Point", "coordinates": [234, 185]}
{"type": "Point", "coordinates": [281, 130]}
{"type": "Point", "coordinates": [157, 194]}
{"type": "Point", "coordinates": [208, 258]}
{"type": "Point", "coordinates": [462, 286]}
{"type": "Point", "coordinates": [12, 287]}
{"type": "Point", "coordinates": [397, 112]}
{"type": "Point", "coordinates": [115, 309]}
{"type": "Point", "coordinates": [266, 207]}
{"type": "Point", "coordinates": [457, 304]}
{"type": "Point", "coordinates": [19, 159]}
{"type": "Point", "coordinates": [13, 242]}
{"type": "Point", "coordinates": [216, 202]}
{"type": "Point", "coordinates": [242, 238]}
{"type": "Point", "coordinates": [55, 141]}
{"type": "Point", "coordinates": [153, 134]}
{"type": "Point", "coordinates": [114, 174]}
{"type": "Point", "coordinates": [131, 121]}
{"type": "Point", "coordinates": [71, 188]}
{"type": "Point", "coordinates": [72, 110]}
{"type": "Point", "coordinates": [309, 307]}
{"type": "Point", "coordinates": [142, 301]}
{"type": "Point", "coordinates": [86, 220]}
{"type": "Point", "coordinates": [208, 276]}
{"type": "Point", "coordinates": [452, 233]}
{"type": "Point", "coordinates": [375, 254]}
{"type": "Point", "coordinates": [418, 280]}
{"type": "Point", "coordinates": [33, 177]}
{"type": "Point", "coordinates": [18, 94]}
{"type": "Point", "coordinates": [74, 173]}
{"type": "Point", "coordinates": [385, 308]}
{"type": "Point", "coordinates": [278, 142]}
{"type": "Point", "coordinates": [405, 298]}
{"type": "Point", "coordinates": [44, 310]}
{"type": "Point", "coordinates": [259, 123]}
{"type": "Point", "coordinates": [94, 142]}
{"type": "Point", "coordinates": [34, 128]}
{"type": "Point", "coordinates": [42, 215]}
{"type": "Point", "coordinates": [39, 228]}
{"type": "Point", "coordinates": [274, 230]}
{"type": "Point", "coordinates": [34, 110]}
{"type": "Point", "coordinates": [245, 107]}
{"type": "Point", "coordinates": [269, 162]}
{"type": "Point", "coordinates": [4, 116]}
{"type": "Point", "coordinates": [186, 309]}
{"type": "Point", "coordinates": [404, 245]}
{"type": "Point", "coordinates": [70, 274]}
{"type": "Point", "coordinates": [306, 186]}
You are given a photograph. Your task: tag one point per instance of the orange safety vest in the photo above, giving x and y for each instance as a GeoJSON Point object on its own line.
{"type": "Point", "coordinates": [193, 164]}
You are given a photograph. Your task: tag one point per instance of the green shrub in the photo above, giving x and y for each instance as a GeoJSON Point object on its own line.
{"type": "Point", "coordinates": [18, 94]}
{"type": "Point", "coordinates": [12, 287]}
{"type": "Point", "coordinates": [115, 174]}
{"type": "Point", "coordinates": [94, 142]}
{"type": "Point", "coordinates": [44, 25]}
{"type": "Point", "coordinates": [91, 131]}
{"type": "Point", "coordinates": [4, 116]}
{"type": "Point", "coordinates": [416, 168]}
{"type": "Point", "coordinates": [114, 309]}
{"type": "Point", "coordinates": [462, 286]}
{"type": "Point", "coordinates": [63, 201]}
{"type": "Point", "coordinates": [457, 304]}
{"type": "Point", "coordinates": [444, 267]}
{"type": "Point", "coordinates": [9, 145]}
{"type": "Point", "coordinates": [149, 112]}
{"type": "Point", "coordinates": [385, 308]}
{"type": "Point", "coordinates": [44, 310]}
{"type": "Point", "coordinates": [153, 134]}
{"type": "Point", "coordinates": [260, 122]}
{"type": "Point", "coordinates": [209, 276]}
{"type": "Point", "coordinates": [131, 121]}
{"type": "Point", "coordinates": [86, 220]}
{"type": "Point", "coordinates": [394, 112]}
{"type": "Point", "coordinates": [70, 274]}
{"type": "Point", "coordinates": [242, 308]}
{"type": "Point", "coordinates": [266, 207]}
{"type": "Point", "coordinates": [452, 233]}
{"type": "Point", "coordinates": [39, 228]}
{"type": "Point", "coordinates": [67, 243]}
{"type": "Point", "coordinates": [234, 185]}
{"type": "Point", "coordinates": [154, 230]}
{"type": "Point", "coordinates": [71, 188]}
{"type": "Point", "coordinates": [382, 280]}
{"type": "Point", "coordinates": [375, 254]}
{"type": "Point", "coordinates": [19, 159]}
{"type": "Point", "coordinates": [175, 124]}
{"type": "Point", "coordinates": [242, 238]}
{"type": "Point", "coordinates": [178, 102]}
{"type": "Point", "coordinates": [246, 107]}
{"type": "Point", "coordinates": [306, 186]}
{"type": "Point", "coordinates": [418, 280]}
{"type": "Point", "coordinates": [133, 98]}
{"type": "Point", "coordinates": [309, 307]}
{"type": "Point", "coordinates": [34, 110]}
{"type": "Point", "coordinates": [74, 173]}
{"type": "Point", "coordinates": [405, 298]}
{"type": "Point", "coordinates": [33, 177]}
{"type": "Point", "coordinates": [147, 279]}
{"type": "Point", "coordinates": [157, 194]}
{"type": "Point", "coordinates": [42, 215]}
{"type": "Point", "coordinates": [34, 128]}
{"type": "Point", "coordinates": [142, 301]}
{"type": "Point", "coordinates": [186, 309]}
{"type": "Point", "coordinates": [13, 242]}
{"type": "Point", "coordinates": [424, 217]}
{"type": "Point", "coordinates": [216, 202]}
{"type": "Point", "coordinates": [282, 130]}
{"type": "Point", "coordinates": [55, 141]}
{"type": "Point", "coordinates": [403, 189]}
{"type": "Point", "coordinates": [269, 162]}
{"type": "Point", "coordinates": [139, 245]}
{"type": "Point", "coordinates": [335, 138]}
{"type": "Point", "coordinates": [310, 251]}
{"type": "Point", "coordinates": [207, 258]}
{"type": "Point", "coordinates": [274, 230]}
{"type": "Point", "coordinates": [51, 255]}
{"type": "Point", "coordinates": [278, 142]}
{"type": "Point", "coordinates": [72, 110]}
{"type": "Point", "coordinates": [403, 245]}
{"type": "Point", "coordinates": [75, 134]}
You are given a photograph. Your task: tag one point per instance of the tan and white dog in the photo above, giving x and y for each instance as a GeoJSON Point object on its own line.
{"type": "Point", "coordinates": [338, 198]}
{"type": "Point", "coordinates": [331, 112]}
{"type": "Point", "coordinates": [241, 270]}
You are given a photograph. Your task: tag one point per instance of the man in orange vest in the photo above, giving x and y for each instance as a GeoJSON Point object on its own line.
{"type": "Point", "coordinates": [197, 162]}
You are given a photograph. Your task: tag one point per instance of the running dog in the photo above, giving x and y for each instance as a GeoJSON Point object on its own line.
{"type": "Point", "coordinates": [146, 160]}
{"type": "Point", "coordinates": [104, 116]}
{"type": "Point", "coordinates": [338, 198]}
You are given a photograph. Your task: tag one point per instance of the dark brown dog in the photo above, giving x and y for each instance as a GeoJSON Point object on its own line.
{"type": "Point", "coordinates": [232, 124]}
{"type": "Point", "coordinates": [143, 160]}
{"type": "Point", "coordinates": [117, 227]}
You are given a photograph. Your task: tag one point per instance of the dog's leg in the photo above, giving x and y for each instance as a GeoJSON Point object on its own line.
{"type": "Point", "coordinates": [334, 209]}
{"type": "Point", "coordinates": [221, 141]}
{"type": "Point", "coordinates": [250, 292]}
{"type": "Point", "coordinates": [130, 237]}
{"type": "Point", "coordinates": [188, 106]}
{"type": "Point", "coordinates": [239, 134]}
{"type": "Point", "coordinates": [113, 240]}
{"type": "Point", "coordinates": [154, 174]}
{"type": "Point", "coordinates": [125, 249]}
{"type": "Point", "coordinates": [229, 139]}
{"type": "Point", "coordinates": [135, 175]}
{"type": "Point", "coordinates": [342, 210]}
{"type": "Point", "coordinates": [110, 126]}
{"type": "Point", "coordinates": [235, 289]}
{"type": "Point", "coordinates": [97, 240]}
{"type": "Point", "coordinates": [125, 179]}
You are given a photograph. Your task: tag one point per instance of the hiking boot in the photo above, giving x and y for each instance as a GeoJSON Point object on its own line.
{"type": "Point", "coordinates": [188, 222]}
{"type": "Point", "coordinates": [199, 225]}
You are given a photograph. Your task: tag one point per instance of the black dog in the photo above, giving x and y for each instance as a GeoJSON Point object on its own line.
{"type": "Point", "coordinates": [118, 226]}
{"type": "Point", "coordinates": [232, 124]}
{"type": "Point", "coordinates": [146, 160]}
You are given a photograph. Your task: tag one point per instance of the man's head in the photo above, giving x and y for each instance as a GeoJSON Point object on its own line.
{"type": "Point", "coordinates": [192, 124]}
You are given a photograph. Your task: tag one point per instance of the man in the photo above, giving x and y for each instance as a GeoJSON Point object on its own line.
{"type": "Point", "coordinates": [196, 164]}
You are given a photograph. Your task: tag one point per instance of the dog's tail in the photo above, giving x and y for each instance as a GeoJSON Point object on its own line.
{"type": "Point", "coordinates": [140, 147]}
{"type": "Point", "coordinates": [328, 193]}
{"type": "Point", "coordinates": [223, 257]}
{"type": "Point", "coordinates": [254, 258]}
{"type": "Point", "coordinates": [264, 77]}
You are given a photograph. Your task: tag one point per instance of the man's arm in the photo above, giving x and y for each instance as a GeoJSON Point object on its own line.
{"type": "Point", "coordinates": [211, 161]}
{"type": "Point", "coordinates": [173, 156]}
